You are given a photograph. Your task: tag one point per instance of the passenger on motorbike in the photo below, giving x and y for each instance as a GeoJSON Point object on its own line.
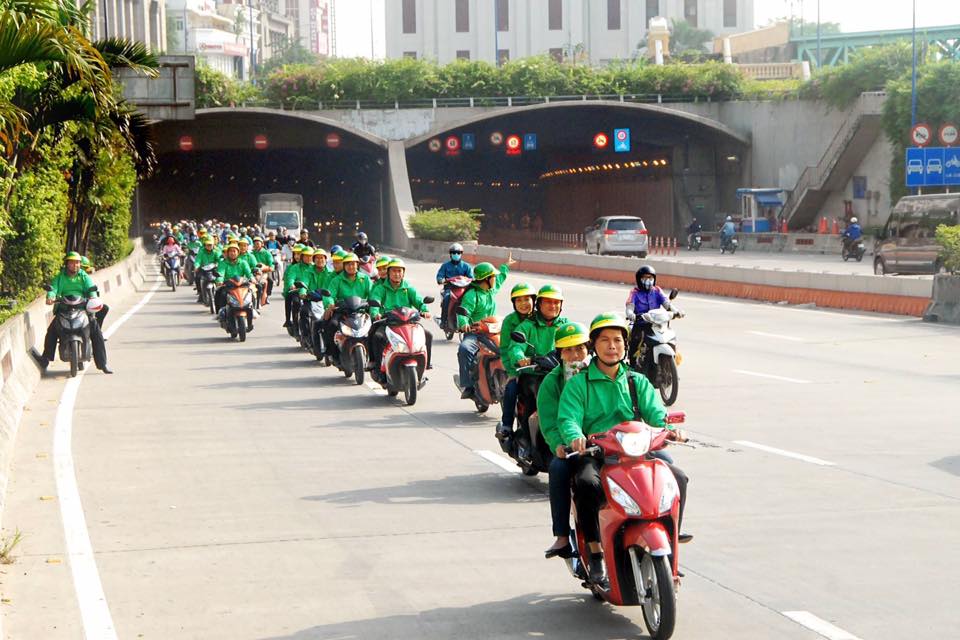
{"type": "Point", "coordinates": [522, 296]}
{"type": "Point", "coordinates": [263, 257]}
{"type": "Point", "coordinates": [455, 266]}
{"type": "Point", "coordinates": [393, 294]}
{"type": "Point", "coordinates": [382, 263]}
{"type": "Point", "coordinates": [87, 265]}
{"type": "Point", "coordinates": [348, 284]}
{"type": "Point", "coordinates": [362, 247]}
{"type": "Point", "coordinates": [337, 258]}
{"type": "Point", "coordinates": [641, 299]}
{"type": "Point", "coordinates": [479, 302]}
{"type": "Point", "coordinates": [305, 238]}
{"type": "Point", "coordinates": [72, 281]}
{"type": "Point", "coordinates": [606, 394]}
{"type": "Point", "coordinates": [573, 341]}
{"type": "Point", "coordinates": [291, 276]}
{"type": "Point", "coordinates": [231, 266]}
{"type": "Point", "coordinates": [271, 243]}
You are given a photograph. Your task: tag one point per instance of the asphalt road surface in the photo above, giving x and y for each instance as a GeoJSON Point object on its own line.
{"type": "Point", "coordinates": [242, 491]}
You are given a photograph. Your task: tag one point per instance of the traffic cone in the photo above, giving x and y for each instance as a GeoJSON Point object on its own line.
{"type": "Point", "coordinates": [783, 226]}
{"type": "Point", "coordinates": [676, 248]}
{"type": "Point", "coordinates": [822, 229]}
{"type": "Point", "coordinates": [836, 227]}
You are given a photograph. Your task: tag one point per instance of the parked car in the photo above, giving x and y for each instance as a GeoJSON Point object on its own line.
{"type": "Point", "coordinates": [908, 242]}
{"type": "Point", "coordinates": [616, 234]}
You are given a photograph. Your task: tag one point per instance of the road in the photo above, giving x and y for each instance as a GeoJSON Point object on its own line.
{"type": "Point", "coordinates": [241, 491]}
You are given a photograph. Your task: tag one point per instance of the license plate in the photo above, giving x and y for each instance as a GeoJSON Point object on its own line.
{"type": "Point", "coordinates": [628, 236]}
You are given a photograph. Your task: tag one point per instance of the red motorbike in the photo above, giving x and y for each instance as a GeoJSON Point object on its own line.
{"type": "Point", "coordinates": [638, 524]}
{"type": "Point", "coordinates": [369, 266]}
{"type": "Point", "coordinates": [448, 316]}
{"type": "Point", "coordinates": [404, 359]}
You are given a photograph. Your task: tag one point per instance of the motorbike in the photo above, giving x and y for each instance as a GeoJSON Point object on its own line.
{"type": "Point", "coordinates": [311, 324]}
{"type": "Point", "coordinates": [659, 356]}
{"type": "Point", "coordinates": [488, 373]}
{"type": "Point", "coordinates": [526, 444]}
{"type": "Point", "coordinates": [404, 360]}
{"type": "Point", "coordinates": [369, 266]}
{"type": "Point", "coordinates": [260, 278]}
{"type": "Point", "coordinates": [729, 243]}
{"type": "Point", "coordinates": [208, 285]}
{"type": "Point", "coordinates": [853, 249]}
{"type": "Point", "coordinates": [694, 242]}
{"type": "Point", "coordinates": [189, 269]}
{"type": "Point", "coordinates": [171, 270]}
{"type": "Point", "coordinates": [638, 525]}
{"type": "Point", "coordinates": [277, 274]}
{"type": "Point", "coordinates": [236, 317]}
{"type": "Point", "coordinates": [73, 330]}
{"type": "Point", "coordinates": [351, 336]}
{"type": "Point", "coordinates": [448, 316]}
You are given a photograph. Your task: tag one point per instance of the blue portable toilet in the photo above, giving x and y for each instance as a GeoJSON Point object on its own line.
{"type": "Point", "coordinates": [758, 207]}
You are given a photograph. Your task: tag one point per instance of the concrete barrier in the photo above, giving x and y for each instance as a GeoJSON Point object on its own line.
{"type": "Point", "coordinates": [20, 374]}
{"type": "Point", "coordinates": [945, 306]}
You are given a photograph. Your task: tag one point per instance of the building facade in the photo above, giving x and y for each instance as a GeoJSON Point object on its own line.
{"type": "Point", "coordinates": [313, 20]}
{"type": "Point", "coordinates": [138, 20]}
{"type": "Point", "coordinates": [497, 30]}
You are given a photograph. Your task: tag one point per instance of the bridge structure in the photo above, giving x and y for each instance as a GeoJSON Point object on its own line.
{"type": "Point", "coordinates": [836, 48]}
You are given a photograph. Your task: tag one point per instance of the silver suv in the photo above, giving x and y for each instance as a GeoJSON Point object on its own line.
{"type": "Point", "coordinates": [616, 234]}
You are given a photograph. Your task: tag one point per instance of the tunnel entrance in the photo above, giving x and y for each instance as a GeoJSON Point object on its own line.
{"type": "Point", "coordinates": [217, 166]}
{"type": "Point", "coordinates": [566, 170]}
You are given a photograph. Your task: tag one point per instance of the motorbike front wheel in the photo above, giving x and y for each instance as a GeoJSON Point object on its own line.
{"type": "Point", "coordinates": [74, 358]}
{"type": "Point", "coordinates": [408, 379]}
{"type": "Point", "coordinates": [359, 364]}
{"type": "Point", "coordinates": [654, 582]}
{"type": "Point", "coordinates": [210, 303]}
{"type": "Point", "coordinates": [669, 383]}
{"type": "Point", "coordinates": [242, 329]}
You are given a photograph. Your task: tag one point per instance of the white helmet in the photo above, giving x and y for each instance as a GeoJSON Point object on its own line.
{"type": "Point", "coordinates": [729, 219]}
{"type": "Point", "coordinates": [853, 221]}
{"type": "Point", "coordinates": [94, 305]}
{"type": "Point", "coordinates": [456, 246]}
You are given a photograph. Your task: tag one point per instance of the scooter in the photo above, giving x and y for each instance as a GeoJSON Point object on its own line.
{"type": "Point", "coordinates": [189, 269]}
{"type": "Point", "coordinates": [695, 242]}
{"type": "Point", "coordinates": [73, 330]}
{"type": "Point", "coordinates": [277, 274]}
{"type": "Point", "coordinates": [404, 360]}
{"type": "Point", "coordinates": [729, 243]}
{"type": "Point", "coordinates": [853, 249]}
{"type": "Point", "coordinates": [311, 324]}
{"type": "Point", "coordinates": [659, 356]}
{"type": "Point", "coordinates": [369, 266]}
{"type": "Point", "coordinates": [236, 317]}
{"type": "Point", "coordinates": [489, 374]}
{"type": "Point", "coordinates": [638, 525]}
{"type": "Point", "coordinates": [351, 336]}
{"type": "Point", "coordinates": [171, 269]}
{"type": "Point", "coordinates": [448, 316]}
{"type": "Point", "coordinates": [526, 444]}
{"type": "Point", "coordinates": [208, 285]}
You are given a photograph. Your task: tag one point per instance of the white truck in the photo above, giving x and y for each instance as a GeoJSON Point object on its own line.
{"type": "Point", "coordinates": [281, 210]}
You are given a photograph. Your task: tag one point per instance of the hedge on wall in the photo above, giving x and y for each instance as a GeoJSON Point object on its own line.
{"type": "Point", "coordinates": [949, 238]}
{"type": "Point", "coordinates": [446, 224]}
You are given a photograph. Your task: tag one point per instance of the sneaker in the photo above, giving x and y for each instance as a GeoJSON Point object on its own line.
{"type": "Point", "coordinates": [41, 360]}
{"type": "Point", "coordinates": [503, 432]}
{"type": "Point", "coordinates": [597, 573]}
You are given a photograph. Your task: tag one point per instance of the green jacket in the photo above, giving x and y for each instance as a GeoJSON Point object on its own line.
{"type": "Point", "coordinates": [318, 279]}
{"type": "Point", "coordinates": [63, 285]}
{"type": "Point", "coordinates": [540, 338]}
{"type": "Point", "coordinates": [548, 404]}
{"type": "Point", "coordinates": [510, 324]}
{"type": "Point", "coordinates": [196, 245]}
{"type": "Point", "coordinates": [229, 270]}
{"type": "Point", "coordinates": [250, 259]}
{"type": "Point", "coordinates": [342, 287]}
{"type": "Point", "coordinates": [593, 403]}
{"type": "Point", "coordinates": [293, 273]}
{"type": "Point", "coordinates": [391, 297]}
{"type": "Point", "coordinates": [205, 257]}
{"type": "Point", "coordinates": [263, 257]}
{"type": "Point", "coordinates": [481, 304]}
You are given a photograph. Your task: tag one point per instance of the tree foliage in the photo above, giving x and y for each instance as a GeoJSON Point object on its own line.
{"type": "Point", "coordinates": [869, 69]}
{"type": "Point", "coordinates": [685, 37]}
{"type": "Point", "coordinates": [949, 239]}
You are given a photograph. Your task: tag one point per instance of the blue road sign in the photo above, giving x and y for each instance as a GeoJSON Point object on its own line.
{"type": "Point", "coordinates": [916, 170]}
{"type": "Point", "coordinates": [951, 166]}
{"type": "Point", "coordinates": [933, 163]}
{"type": "Point", "coordinates": [468, 141]}
{"type": "Point", "coordinates": [621, 140]}
{"type": "Point", "coordinates": [529, 142]}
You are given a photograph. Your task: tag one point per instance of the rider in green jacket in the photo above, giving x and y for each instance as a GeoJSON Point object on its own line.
{"type": "Point", "coordinates": [395, 292]}
{"type": "Point", "coordinates": [523, 297]}
{"type": "Point", "coordinates": [351, 282]}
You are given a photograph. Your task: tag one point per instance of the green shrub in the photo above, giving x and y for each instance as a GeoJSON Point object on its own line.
{"type": "Point", "coordinates": [215, 89]}
{"type": "Point", "coordinates": [949, 237]}
{"type": "Point", "coordinates": [113, 191]}
{"type": "Point", "coordinates": [869, 69]}
{"type": "Point", "coordinates": [446, 224]}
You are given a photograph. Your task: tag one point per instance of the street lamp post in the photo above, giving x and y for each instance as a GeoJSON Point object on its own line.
{"type": "Point", "coordinates": [819, 59]}
{"type": "Point", "coordinates": [913, 78]}
{"type": "Point", "coordinates": [253, 52]}
{"type": "Point", "coordinates": [496, 32]}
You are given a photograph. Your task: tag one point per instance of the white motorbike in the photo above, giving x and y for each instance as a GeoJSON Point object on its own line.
{"type": "Point", "coordinates": [659, 356]}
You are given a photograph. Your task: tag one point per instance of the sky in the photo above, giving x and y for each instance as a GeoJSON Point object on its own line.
{"type": "Point", "coordinates": [353, 17]}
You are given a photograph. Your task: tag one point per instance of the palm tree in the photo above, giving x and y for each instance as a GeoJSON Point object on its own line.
{"type": "Point", "coordinates": [685, 37]}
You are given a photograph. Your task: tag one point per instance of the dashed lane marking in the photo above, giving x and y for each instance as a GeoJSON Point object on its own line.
{"type": "Point", "coordinates": [819, 626]}
{"type": "Point", "coordinates": [770, 376]}
{"type": "Point", "coordinates": [785, 453]}
{"type": "Point", "coordinates": [504, 463]}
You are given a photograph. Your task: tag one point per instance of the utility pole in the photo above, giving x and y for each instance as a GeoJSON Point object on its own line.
{"type": "Point", "coordinates": [819, 59]}
{"type": "Point", "coordinates": [496, 32]}
{"type": "Point", "coordinates": [253, 51]}
{"type": "Point", "coordinates": [913, 77]}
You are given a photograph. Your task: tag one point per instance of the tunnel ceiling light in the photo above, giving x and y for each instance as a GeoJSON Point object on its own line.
{"type": "Point", "coordinates": [732, 158]}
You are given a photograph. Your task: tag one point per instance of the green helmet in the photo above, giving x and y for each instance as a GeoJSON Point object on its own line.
{"type": "Point", "coordinates": [397, 263]}
{"type": "Point", "coordinates": [338, 256]}
{"type": "Point", "coordinates": [350, 257]}
{"type": "Point", "coordinates": [84, 261]}
{"type": "Point", "coordinates": [483, 271]}
{"type": "Point", "coordinates": [306, 252]}
{"type": "Point", "coordinates": [570, 334]}
{"type": "Point", "coordinates": [550, 292]}
{"type": "Point", "coordinates": [607, 320]}
{"type": "Point", "coordinates": [73, 255]}
{"type": "Point", "coordinates": [383, 261]}
{"type": "Point", "coordinates": [521, 290]}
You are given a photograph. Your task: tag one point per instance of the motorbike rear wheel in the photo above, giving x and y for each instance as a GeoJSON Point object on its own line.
{"type": "Point", "coordinates": [408, 379]}
{"type": "Point", "coordinates": [74, 358]}
{"type": "Point", "coordinates": [669, 383]}
{"type": "Point", "coordinates": [654, 583]}
{"type": "Point", "coordinates": [359, 364]}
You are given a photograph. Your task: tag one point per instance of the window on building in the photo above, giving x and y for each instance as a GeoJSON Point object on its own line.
{"type": "Point", "coordinates": [409, 16]}
{"type": "Point", "coordinates": [410, 54]}
{"type": "Point", "coordinates": [557, 54]}
{"type": "Point", "coordinates": [613, 15]}
{"type": "Point", "coordinates": [462, 15]}
{"type": "Point", "coordinates": [463, 54]}
{"type": "Point", "coordinates": [653, 10]}
{"type": "Point", "coordinates": [503, 55]}
{"type": "Point", "coordinates": [690, 12]}
{"type": "Point", "coordinates": [503, 15]}
{"type": "Point", "coordinates": [555, 15]}
{"type": "Point", "coordinates": [729, 13]}
{"type": "Point", "coordinates": [179, 24]}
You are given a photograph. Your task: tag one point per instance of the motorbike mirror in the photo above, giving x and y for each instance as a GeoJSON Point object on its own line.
{"type": "Point", "coordinates": [299, 285]}
{"type": "Point", "coordinates": [325, 293]}
{"type": "Point", "coordinates": [518, 337]}
{"type": "Point", "coordinates": [374, 303]}
{"type": "Point", "coordinates": [676, 417]}
{"type": "Point", "coordinates": [674, 293]}
{"type": "Point", "coordinates": [47, 287]}
{"type": "Point", "coordinates": [462, 312]}
{"type": "Point", "coordinates": [429, 300]}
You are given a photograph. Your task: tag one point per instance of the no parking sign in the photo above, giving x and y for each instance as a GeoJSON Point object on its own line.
{"type": "Point", "coordinates": [621, 140]}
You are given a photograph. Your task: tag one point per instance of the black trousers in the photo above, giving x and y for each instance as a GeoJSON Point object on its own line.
{"type": "Point", "coordinates": [291, 307]}
{"type": "Point", "coordinates": [102, 314]}
{"type": "Point", "coordinates": [589, 495]}
{"type": "Point", "coordinates": [96, 341]}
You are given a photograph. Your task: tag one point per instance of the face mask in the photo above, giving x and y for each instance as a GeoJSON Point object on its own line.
{"type": "Point", "coordinates": [455, 257]}
{"type": "Point", "coordinates": [647, 284]}
{"type": "Point", "coordinates": [570, 369]}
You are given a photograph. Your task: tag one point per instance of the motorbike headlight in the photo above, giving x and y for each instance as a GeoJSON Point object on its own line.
{"type": "Point", "coordinates": [232, 301]}
{"type": "Point", "coordinates": [345, 329]}
{"type": "Point", "coordinates": [670, 493]}
{"type": "Point", "coordinates": [622, 498]}
{"type": "Point", "coordinates": [247, 298]}
{"type": "Point", "coordinates": [635, 444]}
{"type": "Point", "coordinates": [396, 342]}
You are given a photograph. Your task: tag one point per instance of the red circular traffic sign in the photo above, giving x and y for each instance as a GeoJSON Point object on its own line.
{"type": "Point", "coordinates": [921, 134]}
{"type": "Point", "coordinates": [496, 138]}
{"type": "Point", "coordinates": [453, 143]}
{"type": "Point", "coordinates": [600, 140]}
{"type": "Point", "coordinates": [513, 142]}
{"type": "Point", "coordinates": [949, 134]}
{"type": "Point", "coordinates": [185, 143]}
{"type": "Point", "coordinates": [434, 145]}
{"type": "Point", "coordinates": [333, 140]}
{"type": "Point", "coordinates": [260, 141]}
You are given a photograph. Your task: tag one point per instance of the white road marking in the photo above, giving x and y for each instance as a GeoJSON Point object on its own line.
{"type": "Point", "coordinates": [787, 454]}
{"type": "Point", "coordinates": [504, 463]}
{"type": "Point", "coordinates": [376, 388]}
{"type": "Point", "coordinates": [819, 626]}
{"type": "Point", "coordinates": [775, 335]}
{"type": "Point", "coordinates": [771, 376]}
{"type": "Point", "coordinates": [97, 622]}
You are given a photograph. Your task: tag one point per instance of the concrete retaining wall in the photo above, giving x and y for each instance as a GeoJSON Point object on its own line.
{"type": "Point", "coordinates": [945, 306]}
{"type": "Point", "coordinates": [896, 295]}
{"type": "Point", "coordinates": [19, 374]}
